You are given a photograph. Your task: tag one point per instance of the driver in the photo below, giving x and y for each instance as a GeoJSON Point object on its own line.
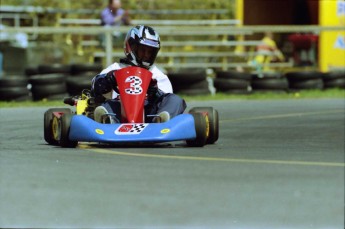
{"type": "Point", "coordinates": [141, 47]}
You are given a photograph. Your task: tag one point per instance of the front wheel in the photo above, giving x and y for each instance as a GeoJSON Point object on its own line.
{"type": "Point", "coordinates": [212, 121]}
{"type": "Point", "coordinates": [65, 123]}
{"type": "Point", "coordinates": [48, 119]}
{"type": "Point", "coordinates": [200, 129]}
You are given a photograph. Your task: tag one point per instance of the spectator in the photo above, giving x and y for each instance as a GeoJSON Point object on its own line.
{"type": "Point", "coordinates": [114, 15]}
{"type": "Point", "coordinates": [141, 47]}
{"type": "Point", "coordinates": [267, 52]}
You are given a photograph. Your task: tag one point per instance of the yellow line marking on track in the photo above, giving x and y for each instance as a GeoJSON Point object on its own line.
{"type": "Point", "coordinates": [283, 116]}
{"type": "Point", "coordinates": [160, 156]}
{"type": "Point", "coordinates": [256, 161]}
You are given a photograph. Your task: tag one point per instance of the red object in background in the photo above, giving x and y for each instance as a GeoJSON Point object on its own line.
{"type": "Point", "coordinates": [303, 41]}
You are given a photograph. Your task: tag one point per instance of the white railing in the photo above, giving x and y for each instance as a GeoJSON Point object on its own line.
{"type": "Point", "coordinates": [173, 31]}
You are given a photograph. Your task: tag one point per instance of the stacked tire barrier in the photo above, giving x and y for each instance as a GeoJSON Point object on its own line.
{"type": "Point", "coordinates": [305, 80]}
{"type": "Point", "coordinates": [244, 83]}
{"type": "Point", "coordinates": [190, 82]}
{"type": "Point", "coordinates": [233, 82]}
{"type": "Point", "coordinates": [58, 81]}
{"type": "Point", "coordinates": [270, 82]}
{"type": "Point", "coordinates": [50, 82]}
{"type": "Point", "coordinates": [48, 86]}
{"type": "Point", "coordinates": [335, 79]}
{"type": "Point", "coordinates": [81, 76]}
{"type": "Point", "coordinates": [14, 88]}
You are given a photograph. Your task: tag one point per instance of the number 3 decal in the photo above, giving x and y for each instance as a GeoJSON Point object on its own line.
{"type": "Point", "coordinates": [135, 87]}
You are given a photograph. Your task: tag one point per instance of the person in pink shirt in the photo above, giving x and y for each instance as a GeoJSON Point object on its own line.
{"type": "Point", "coordinates": [114, 15]}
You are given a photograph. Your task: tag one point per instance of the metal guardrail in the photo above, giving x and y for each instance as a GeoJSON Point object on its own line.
{"type": "Point", "coordinates": [172, 22]}
{"type": "Point", "coordinates": [17, 20]}
{"type": "Point", "coordinates": [176, 31]}
{"type": "Point", "coordinates": [39, 9]}
{"type": "Point", "coordinates": [163, 54]}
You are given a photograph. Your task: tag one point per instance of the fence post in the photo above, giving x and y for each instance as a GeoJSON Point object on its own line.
{"type": "Point", "coordinates": [108, 47]}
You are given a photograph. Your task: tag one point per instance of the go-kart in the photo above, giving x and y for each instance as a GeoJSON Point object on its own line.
{"type": "Point", "coordinates": [66, 128]}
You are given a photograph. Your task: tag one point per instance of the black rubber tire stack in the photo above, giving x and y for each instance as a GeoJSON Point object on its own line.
{"type": "Point", "coordinates": [233, 82]}
{"type": "Point", "coordinates": [31, 71]}
{"type": "Point", "coordinates": [77, 69]}
{"type": "Point", "coordinates": [334, 79]}
{"type": "Point", "coordinates": [50, 83]}
{"type": "Point", "coordinates": [14, 88]}
{"type": "Point", "coordinates": [190, 82]}
{"type": "Point", "coordinates": [305, 80]}
{"type": "Point", "coordinates": [270, 82]}
{"type": "Point", "coordinates": [80, 77]}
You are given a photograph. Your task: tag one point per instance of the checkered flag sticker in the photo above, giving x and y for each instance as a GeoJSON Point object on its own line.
{"type": "Point", "coordinates": [130, 129]}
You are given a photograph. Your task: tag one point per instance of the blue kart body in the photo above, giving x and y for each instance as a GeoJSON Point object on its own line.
{"type": "Point", "coordinates": [66, 128]}
{"type": "Point", "coordinates": [84, 129]}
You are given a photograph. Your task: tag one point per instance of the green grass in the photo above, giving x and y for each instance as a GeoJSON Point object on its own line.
{"type": "Point", "coordinates": [303, 94]}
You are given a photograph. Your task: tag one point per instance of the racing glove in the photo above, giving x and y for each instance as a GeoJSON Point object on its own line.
{"type": "Point", "coordinates": [153, 93]}
{"type": "Point", "coordinates": [103, 83]}
{"type": "Point", "coordinates": [111, 80]}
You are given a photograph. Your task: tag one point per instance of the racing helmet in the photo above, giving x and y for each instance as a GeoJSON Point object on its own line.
{"type": "Point", "coordinates": [141, 46]}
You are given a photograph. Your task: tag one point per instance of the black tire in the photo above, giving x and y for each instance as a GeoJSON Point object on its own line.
{"type": "Point", "coordinates": [187, 76]}
{"type": "Point", "coordinates": [47, 126]}
{"type": "Point", "coordinates": [88, 74]}
{"type": "Point", "coordinates": [191, 92]}
{"type": "Point", "coordinates": [54, 68]}
{"type": "Point", "coordinates": [81, 68]}
{"type": "Point", "coordinates": [213, 122]}
{"type": "Point", "coordinates": [198, 85]}
{"type": "Point", "coordinates": [268, 75]}
{"type": "Point", "coordinates": [270, 83]}
{"type": "Point", "coordinates": [45, 79]}
{"type": "Point", "coordinates": [302, 76]}
{"type": "Point", "coordinates": [75, 85]}
{"type": "Point", "coordinates": [200, 129]}
{"type": "Point", "coordinates": [233, 75]}
{"type": "Point", "coordinates": [335, 83]}
{"type": "Point", "coordinates": [237, 91]}
{"type": "Point", "coordinates": [333, 75]}
{"type": "Point", "coordinates": [44, 91]}
{"type": "Point", "coordinates": [227, 84]}
{"type": "Point", "coordinates": [13, 81]}
{"type": "Point", "coordinates": [65, 129]}
{"type": "Point", "coordinates": [307, 84]}
{"type": "Point", "coordinates": [270, 91]}
{"type": "Point", "coordinates": [59, 97]}
{"type": "Point", "coordinates": [30, 71]}
{"type": "Point", "coordinates": [13, 93]}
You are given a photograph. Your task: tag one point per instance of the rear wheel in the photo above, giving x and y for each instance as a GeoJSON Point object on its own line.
{"type": "Point", "coordinates": [48, 119]}
{"type": "Point", "coordinates": [212, 121]}
{"type": "Point", "coordinates": [200, 129]}
{"type": "Point", "coordinates": [65, 123]}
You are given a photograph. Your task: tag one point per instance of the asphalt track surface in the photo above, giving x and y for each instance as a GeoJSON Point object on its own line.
{"type": "Point", "coordinates": [277, 164]}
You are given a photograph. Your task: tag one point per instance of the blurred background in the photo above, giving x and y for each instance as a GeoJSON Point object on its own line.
{"type": "Point", "coordinates": [229, 46]}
